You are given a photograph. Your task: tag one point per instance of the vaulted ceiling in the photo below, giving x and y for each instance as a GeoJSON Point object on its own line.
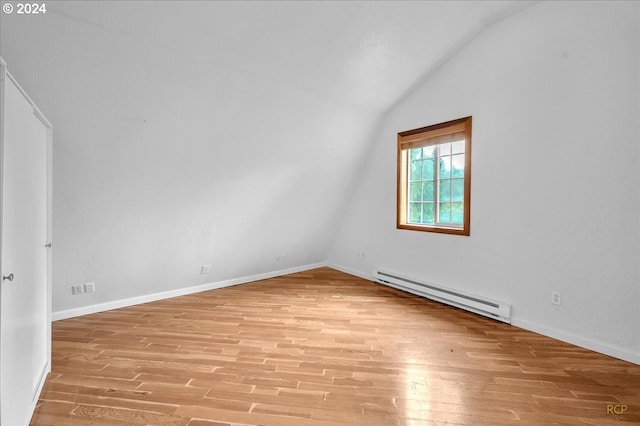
{"type": "Point", "coordinates": [365, 54]}
{"type": "Point", "coordinates": [223, 133]}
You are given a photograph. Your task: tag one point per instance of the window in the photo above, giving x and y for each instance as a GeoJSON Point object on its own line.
{"type": "Point", "coordinates": [434, 178]}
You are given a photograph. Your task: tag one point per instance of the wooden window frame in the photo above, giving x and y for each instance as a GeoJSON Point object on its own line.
{"type": "Point", "coordinates": [429, 136]}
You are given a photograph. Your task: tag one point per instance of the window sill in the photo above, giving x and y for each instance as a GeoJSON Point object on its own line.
{"type": "Point", "coordinates": [436, 229]}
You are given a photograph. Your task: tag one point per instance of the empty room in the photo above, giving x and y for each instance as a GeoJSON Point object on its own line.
{"type": "Point", "coordinates": [319, 213]}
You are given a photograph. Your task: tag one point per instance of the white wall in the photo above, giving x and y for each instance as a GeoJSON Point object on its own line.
{"type": "Point", "coordinates": [165, 161]}
{"type": "Point", "coordinates": [554, 95]}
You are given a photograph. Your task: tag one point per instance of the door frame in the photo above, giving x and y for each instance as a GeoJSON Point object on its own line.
{"type": "Point", "coordinates": [4, 75]}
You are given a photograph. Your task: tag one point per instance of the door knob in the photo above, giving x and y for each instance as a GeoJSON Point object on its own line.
{"type": "Point", "coordinates": [8, 277]}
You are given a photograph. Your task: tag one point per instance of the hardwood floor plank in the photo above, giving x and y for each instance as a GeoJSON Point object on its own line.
{"type": "Point", "coordinates": [321, 348]}
{"type": "Point", "coordinates": [110, 414]}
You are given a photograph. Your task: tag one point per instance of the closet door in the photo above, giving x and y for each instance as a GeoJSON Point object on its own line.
{"type": "Point", "coordinates": [25, 259]}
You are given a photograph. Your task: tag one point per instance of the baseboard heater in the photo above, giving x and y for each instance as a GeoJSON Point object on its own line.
{"type": "Point", "coordinates": [493, 309]}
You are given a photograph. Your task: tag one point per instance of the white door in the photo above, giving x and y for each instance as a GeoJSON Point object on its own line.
{"type": "Point", "coordinates": [24, 291]}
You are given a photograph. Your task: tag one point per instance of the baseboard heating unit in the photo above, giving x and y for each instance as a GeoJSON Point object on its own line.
{"type": "Point", "coordinates": [493, 309]}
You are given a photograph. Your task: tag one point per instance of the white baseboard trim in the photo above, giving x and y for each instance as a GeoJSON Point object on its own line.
{"type": "Point", "coordinates": [586, 343]}
{"type": "Point", "coordinates": [603, 348]}
{"type": "Point", "coordinates": [350, 271]}
{"type": "Point", "coordinates": [583, 342]}
{"type": "Point", "coordinates": [101, 307]}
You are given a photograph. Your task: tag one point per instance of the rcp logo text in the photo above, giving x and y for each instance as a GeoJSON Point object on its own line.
{"type": "Point", "coordinates": [617, 408]}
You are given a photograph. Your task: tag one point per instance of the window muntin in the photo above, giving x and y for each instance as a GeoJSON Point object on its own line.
{"type": "Point", "coordinates": [434, 178]}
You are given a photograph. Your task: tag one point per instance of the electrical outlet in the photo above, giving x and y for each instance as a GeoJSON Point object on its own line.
{"type": "Point", "coordinates": [205, 269]}
{"type": "Point", "coordinates": [89, 287]}
{"type": "Point", "coordinates": [556, 298]}
{"type": "Point", "coordinates": [362, 256]}
{"type": "Point", "coordinates": [76, 289]}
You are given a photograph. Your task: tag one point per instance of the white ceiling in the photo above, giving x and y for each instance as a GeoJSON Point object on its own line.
{"type": "Point", "coordinates": [363, 53]}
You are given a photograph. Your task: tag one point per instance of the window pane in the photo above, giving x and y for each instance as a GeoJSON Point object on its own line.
{"type": "Point", "coordinates": [414, 212]}
{"type": "Point", "coordinates": [444, 215]}
{"type": "Point", "coordinates": [457, 213]}
{"type": "Point", "coordinates": [445, 167]}
{"type": "Point", "coordinates": [428, 152]}
{"type": "Point", "coordinates": [444, 149]}
{"type": "Point", "coordinates": [415, 153]}
{"type": "Point", "coordinates": [433, 185]}
{"type": "Point", "coordinates": [445, 190]}
{"type": "Point", "coordinates": [427, 212]}
{"type": "Point", "coordinates": [415, 191]}
{"type": "Point", "coordinates": [457, 147]}
{"type": "Point", "coordinates": [415, 170]}
{"type": "Point", "coordinates": [457, 165]}
{"type": "Point", "coordinates": [428, 170]}
{"type": "Point", "coordinates": [457, 189]}
{"type": "Point", "coordinates": [427, 190]}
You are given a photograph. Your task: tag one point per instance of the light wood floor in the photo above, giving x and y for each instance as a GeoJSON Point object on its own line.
{"type": "Point", "coordinates": [321, 348]}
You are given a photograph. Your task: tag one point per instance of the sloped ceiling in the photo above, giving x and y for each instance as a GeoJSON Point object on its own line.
{"type": "Point", "coordinates": [222, 133]}
{"type": "Point", "coordinates": [364, 54]}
